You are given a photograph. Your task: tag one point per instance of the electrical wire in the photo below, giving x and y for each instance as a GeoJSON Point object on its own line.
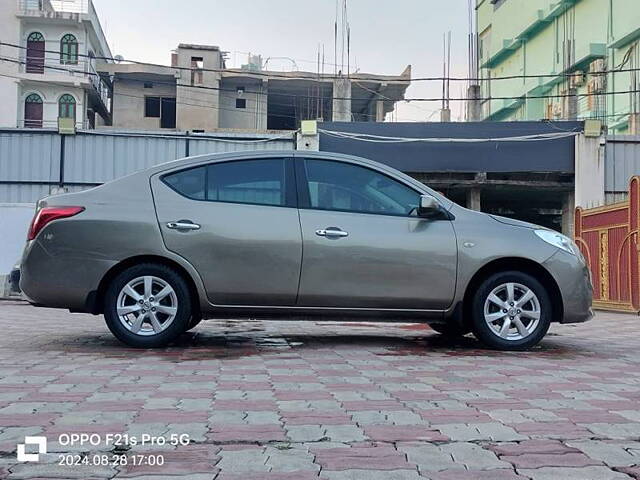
{"type": "Point", "coordinates": [311, 75]}
{"type": "Point", "coordinates": [371, 138]}
{"type": "Point", "coordinates": [415, 99]}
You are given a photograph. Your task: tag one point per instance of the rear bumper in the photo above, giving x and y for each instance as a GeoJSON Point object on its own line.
{"type": "Point", "coordinates": [59, 281]}
{"type": "Point", "coordinates": [574, 281]}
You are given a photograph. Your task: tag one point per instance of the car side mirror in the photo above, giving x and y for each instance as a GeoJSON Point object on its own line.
{"type": "Point", "coordinates": [429, 207]}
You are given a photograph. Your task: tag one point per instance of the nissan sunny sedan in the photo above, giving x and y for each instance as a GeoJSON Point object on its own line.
{"type": "Point", "coordinates": [296, 235]}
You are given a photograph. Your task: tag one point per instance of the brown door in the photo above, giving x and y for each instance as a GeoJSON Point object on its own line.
{"type": "Point", "coordinates": [35, 53]}
{"type": "Point", "coordinates": [33, 111]}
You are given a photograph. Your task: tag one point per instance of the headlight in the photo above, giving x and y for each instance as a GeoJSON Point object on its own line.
{"type": "Point", "coordinates": [558, 240]}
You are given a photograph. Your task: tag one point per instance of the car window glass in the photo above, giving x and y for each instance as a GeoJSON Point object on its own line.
{"type": "Point", "coordinates": [189, 183]}
{"type": "Point", "coordinates": [251, 181]}
{"type": "Point", "coordinates": [347, 187]}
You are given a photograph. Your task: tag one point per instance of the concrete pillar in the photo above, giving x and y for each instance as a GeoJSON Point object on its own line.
{"type": "Point", "coordinates": [308, 142]}
{"type": "Point", "coordinates": [341, 100]}
{"type": "Point", "coordinates": [568, 214]}
{"type": "Point", "coordinates": [474, 199]}
{"type": "Point", "coordinates": [572, 114]}
{"type": "Point", "coordinates": [634, 124]}
{"type": "Point", "coordinates": [589, 171]}
{"type": "Point", "coordinates": [474, 107]}
{"type": "Point", "coordinates": [380, 111]}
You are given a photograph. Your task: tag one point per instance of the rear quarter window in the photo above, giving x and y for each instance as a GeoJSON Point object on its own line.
{"type": "Point", "coordinates": [189, 183]}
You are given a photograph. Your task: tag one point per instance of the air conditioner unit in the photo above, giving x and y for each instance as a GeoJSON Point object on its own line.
{"type": "Point", "coordinates": [597, 83]}
{"type": "Point", "coordinates": [577, 79]}
{"type": "Point", "coordinates": [597, 66]}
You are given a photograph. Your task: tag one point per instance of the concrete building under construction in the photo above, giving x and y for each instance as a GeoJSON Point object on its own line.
{"type": "Point", "coordinates": [199, 93]}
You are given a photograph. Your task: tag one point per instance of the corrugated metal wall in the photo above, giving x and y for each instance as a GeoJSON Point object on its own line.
{"type": "Point", "coordinates": [622, 162]}
{"type": "Point", "coordinates": [30, 160]}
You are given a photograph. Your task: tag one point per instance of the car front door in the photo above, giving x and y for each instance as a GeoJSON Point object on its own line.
{"type": "Point", "coordinates": [364, 246]}
{"type": "Point", "coordinates": [236, 222]}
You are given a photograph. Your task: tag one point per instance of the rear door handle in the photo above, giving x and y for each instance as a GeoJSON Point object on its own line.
{"type": "Point", "coordinates": [332, 232]}
{"type": "Point", "coordinates": [183, 225]}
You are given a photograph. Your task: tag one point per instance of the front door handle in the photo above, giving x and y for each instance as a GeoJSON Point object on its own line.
{"type": "Point", "coordinates": [183, 225]}
{"type": "Point", "coordinates": [332, 232]}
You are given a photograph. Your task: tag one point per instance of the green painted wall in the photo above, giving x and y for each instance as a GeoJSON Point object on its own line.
{"type": "Point", "coordinates": [559, 37]}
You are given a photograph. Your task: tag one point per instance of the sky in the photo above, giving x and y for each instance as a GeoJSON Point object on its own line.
{"type": "Point", "coordinates": [386, 36]}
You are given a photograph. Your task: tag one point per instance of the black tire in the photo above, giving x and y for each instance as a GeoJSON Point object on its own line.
{"type": "Point", "coordinates": [194, 321]}
{"type": "Point", "coordinates": [450, 329]}
{"type": "Point", "coordinates": [486, 335]}
{"type": "Point", "coordinates": [182, 316]}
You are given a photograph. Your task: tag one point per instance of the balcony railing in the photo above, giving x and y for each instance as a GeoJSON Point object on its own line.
{"type": "Point", "coordinates": [51, 65]}
{"type": "Point", "coordinates": [98, 85]}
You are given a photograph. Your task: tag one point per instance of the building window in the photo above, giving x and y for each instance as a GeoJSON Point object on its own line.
{"type": "Point", "coordinates": [33, 111]}
{"type": "Point", "coordinates": [148, 85]}
{"type": "Point", "coordinates": [152, 107]}
{"type": "Point", "coordinates": [197, 66]}
{"type": "Point", "coordinates": [35, 53]}
{"type": "Point", "coordinates": [241, 103]}
{"type": "Point", "coordinates": [67, 107]}
{"type": "Point", "coordinates": [69, 50]}
{"type": "Point", "coordinates": [163, 108]}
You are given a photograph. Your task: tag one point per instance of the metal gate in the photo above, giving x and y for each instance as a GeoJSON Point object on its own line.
{"type": "Point", "coordinates": [608, 238]}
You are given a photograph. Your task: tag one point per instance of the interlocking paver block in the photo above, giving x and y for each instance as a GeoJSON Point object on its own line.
{"type": "Point", "coordinates": [278, 400]}
{"type": "Point", "coordinates": [344, 433]}
{"type": "Point", "coordinates": [614, 454]}
{"type": "Point", "coordinates": [243, 461]}
{"type": "Point", "coordinates": [429, 457]}
{"type": "Point", "coordinates": [473, 457]}
{"type": "Point", "coordinates": [585, 473]}
{"type": "Point", "coordinates": [306, 433]}
{"type": "Point", "coordinates": [290, 460]}
{"type": "Point", "coordinates": [371, 475]}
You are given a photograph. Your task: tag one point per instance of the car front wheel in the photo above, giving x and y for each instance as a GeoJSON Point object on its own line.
{"type": "Point", "coordinates": [147, 306]}
{"type": "Point", "coordinates": [511, 311]}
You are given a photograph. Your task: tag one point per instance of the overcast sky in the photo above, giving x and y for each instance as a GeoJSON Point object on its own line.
{"type": "Point", "coordinates": [386, 36]}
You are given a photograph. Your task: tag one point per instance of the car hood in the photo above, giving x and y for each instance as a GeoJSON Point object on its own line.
{"type": "Point", "coordinates": [513, 222]}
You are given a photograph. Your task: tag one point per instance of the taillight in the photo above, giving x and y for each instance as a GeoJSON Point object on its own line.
{"type": "Point", "coordinates": [49, 214]}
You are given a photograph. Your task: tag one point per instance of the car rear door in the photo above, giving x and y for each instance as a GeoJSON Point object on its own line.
{"type": "Point", "coordinates": [363, 246]}
{"type": "Point", "coordinates": [236, 222]}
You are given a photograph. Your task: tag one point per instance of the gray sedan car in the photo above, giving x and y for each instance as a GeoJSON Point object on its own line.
{"type": "Point", "coordinates": [296, 235]}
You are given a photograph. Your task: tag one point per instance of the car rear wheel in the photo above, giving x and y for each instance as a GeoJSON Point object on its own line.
{"type": "Point", "coordinates": [511, 311]}
{"type": "Point", "coordinates": [147, 306]}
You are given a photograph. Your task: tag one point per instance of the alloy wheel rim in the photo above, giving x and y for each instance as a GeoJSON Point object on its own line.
{"type": "Point", "coordinates": [512, 311]}
{"type": "Point", "coordinates": [147, 305]}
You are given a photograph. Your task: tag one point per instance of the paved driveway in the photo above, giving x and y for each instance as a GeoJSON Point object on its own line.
{"type": "Point", "coordinates": [293, 400]}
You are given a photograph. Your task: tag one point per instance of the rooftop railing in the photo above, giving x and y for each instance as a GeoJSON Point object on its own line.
{"type": "Point", "coordinates": [52, 6]}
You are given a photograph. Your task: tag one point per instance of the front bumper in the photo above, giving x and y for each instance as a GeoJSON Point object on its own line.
{"type": "Point", "coordinates": [574, 281]}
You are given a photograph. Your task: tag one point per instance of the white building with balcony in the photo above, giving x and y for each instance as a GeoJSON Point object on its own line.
{"type": "Point", "coordinates": [47, 64]}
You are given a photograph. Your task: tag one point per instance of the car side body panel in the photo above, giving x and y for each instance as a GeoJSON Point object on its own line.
{"type": "Point", "coordinates": [384, 262]}
{"type": "Point", "coordinates": [245, 254]}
